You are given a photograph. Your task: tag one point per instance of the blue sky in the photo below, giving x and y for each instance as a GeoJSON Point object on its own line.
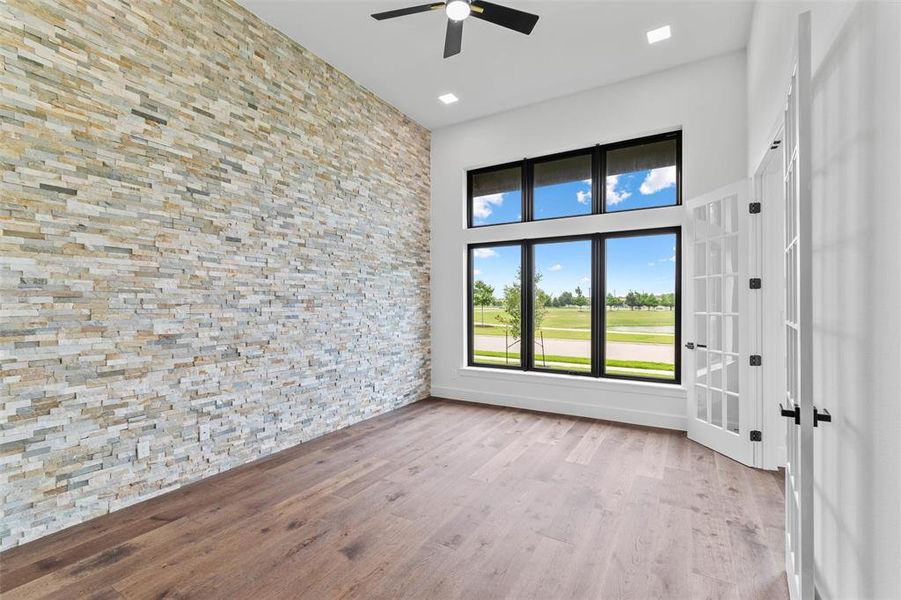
{"type": "Point", "coordinates": [640, 189]}
{"type": "Point", "coordinates": [497, 208]}
{"type": "Point", "coordinates": [644, 264]}
{"type": "Point", "coordinates": [563, 200]}
{"type": "Point", "coordinates": [564, 266]}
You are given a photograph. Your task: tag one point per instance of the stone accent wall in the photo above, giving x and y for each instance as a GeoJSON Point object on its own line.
{"type": "Point", "coordinates": [214, 246]}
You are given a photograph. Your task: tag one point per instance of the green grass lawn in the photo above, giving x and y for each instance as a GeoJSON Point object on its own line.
{"type": "Point", "coordinates": [573, 318]}
{"type": "Point", "coordinates": [579, 363]}
{"type": "Point", "coordinates": [575, 324]}
{"type": "Point", "coordinates": [612, 336]}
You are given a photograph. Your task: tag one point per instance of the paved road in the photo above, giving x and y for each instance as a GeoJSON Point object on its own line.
{"type": "Point", "coordinates": [615, 350]}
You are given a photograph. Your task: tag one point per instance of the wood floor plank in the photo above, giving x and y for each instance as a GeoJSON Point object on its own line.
{"type": "Point", "coordinates": [438, 500]}
{"type": "Point", "coordinates": [707, 588]}
{"type": "Point", "coordinates": [588, 444]}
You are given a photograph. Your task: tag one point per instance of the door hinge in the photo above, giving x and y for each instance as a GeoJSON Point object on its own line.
{"type": "Point", "coordinates": [756, 436]}
{"type": "Point", "coordinates": [754, 208]}
{"type": "Point", "coordinates": [755, 283]}
{"type": "Point", "coordinates": [756, 360]}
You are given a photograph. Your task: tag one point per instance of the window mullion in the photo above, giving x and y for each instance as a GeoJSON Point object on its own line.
{"type": "Point", "coordinates": [528, 182]}
{"type": "Point", "coordinates": [597, 188]}
{"type": "Point", "coordinates": [470, 309]}
{"type": "Point", "coordinates": [599, 306]}
{"type": "Point", "coordinates": [526, 343]}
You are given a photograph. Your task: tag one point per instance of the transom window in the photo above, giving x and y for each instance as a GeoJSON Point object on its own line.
{"type": "Point", "coordinates": [632, 175]}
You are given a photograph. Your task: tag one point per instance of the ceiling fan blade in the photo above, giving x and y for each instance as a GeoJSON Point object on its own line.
{"type": "Point", "coordinates": [410, 10]}
{"type": "Point", "coordinates": [510, 18]}
{"type": "Point", "coordinates": [453, 40]}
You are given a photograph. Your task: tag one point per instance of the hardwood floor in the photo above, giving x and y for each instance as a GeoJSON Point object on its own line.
{"type": "Point", "coordinates": [438, 500]}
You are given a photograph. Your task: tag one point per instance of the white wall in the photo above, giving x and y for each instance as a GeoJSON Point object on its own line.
{"type": "Point", "coordinates": [857, 275]}
{"type": "Point", "coordinates": [770, 58]}
{"type": "Point", "coordinates": [705, 99]}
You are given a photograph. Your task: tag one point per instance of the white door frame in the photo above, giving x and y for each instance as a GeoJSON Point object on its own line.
{"type": "Point", "coordinates": [768, 190]}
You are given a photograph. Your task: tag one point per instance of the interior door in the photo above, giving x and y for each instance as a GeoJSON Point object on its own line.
{"type": "Point", "coordinates": [721, 402]}
{"type": "Point", "coordinates": [798, 405]}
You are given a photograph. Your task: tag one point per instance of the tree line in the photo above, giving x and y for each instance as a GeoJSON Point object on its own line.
{"type": "Point", "coordinates": [483, 295]}
{"type": "Point", "coordinates": [638, 300]}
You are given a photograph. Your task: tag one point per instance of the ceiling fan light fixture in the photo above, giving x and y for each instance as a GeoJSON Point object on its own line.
{"type": "Point", "coordinates": [457, 10]}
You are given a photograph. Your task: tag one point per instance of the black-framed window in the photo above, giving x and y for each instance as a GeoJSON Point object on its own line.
{"type": "Point", "coordinates": [496, 195]}
{"type": "Point", "coordinates": [562, 186]}
{"type": "Point", "coordinates": [562, 327]}
{"type": "Point", "coordinates": [642, 275]}
{"type": "Point", "coordinates": [636, 174]}
{"type": "Point", "coordinates": [495, 305]}
{"type": "Point", "coordinates": [641, 174]}
{"type": "Point", "coordinates": [570, 289]}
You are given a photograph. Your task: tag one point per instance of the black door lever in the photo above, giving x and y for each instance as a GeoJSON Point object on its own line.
{"type": "Point", "coordinates": [821, 416]}
{"type": "Point", "coordinates": [791, 413]}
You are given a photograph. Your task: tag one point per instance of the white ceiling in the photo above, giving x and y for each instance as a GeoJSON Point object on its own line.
{"type": "Point", "coordinates": [576, 45]}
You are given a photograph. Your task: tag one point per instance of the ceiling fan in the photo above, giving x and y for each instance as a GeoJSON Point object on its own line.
{"type": "Point", "coordinates": [458, 10]}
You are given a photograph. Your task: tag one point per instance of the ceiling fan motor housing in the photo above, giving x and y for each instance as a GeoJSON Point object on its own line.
{"type": "Point", "coordinates": [458, 11]}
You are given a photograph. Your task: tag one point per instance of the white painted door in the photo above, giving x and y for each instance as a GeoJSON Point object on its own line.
{"type": "Point", "coordinates": [798, 406]}
{"type": "Point", "coordinates": [722, 396]}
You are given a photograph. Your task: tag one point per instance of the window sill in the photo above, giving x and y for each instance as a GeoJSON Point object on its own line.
{"type": "Point", "coordinates": [575, 382]}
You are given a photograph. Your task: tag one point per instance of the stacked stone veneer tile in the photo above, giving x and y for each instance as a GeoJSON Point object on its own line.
{"type": "Point", "coordinates": [214, 246]}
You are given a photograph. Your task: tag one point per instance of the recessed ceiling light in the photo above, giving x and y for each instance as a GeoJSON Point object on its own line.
{"type": "Point", "coordinates": [448, 98]}
{"type": "Point", "coordinates": [659, 34]}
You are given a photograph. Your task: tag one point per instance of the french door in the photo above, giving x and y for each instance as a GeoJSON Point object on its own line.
{"type": "Point", "coordinates": [798, 407]}
{"type": "Point", "coordinates": [722, 394]}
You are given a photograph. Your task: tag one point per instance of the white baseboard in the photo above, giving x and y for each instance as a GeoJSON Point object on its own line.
{"type": "Point", "coordinates": [565, 407]}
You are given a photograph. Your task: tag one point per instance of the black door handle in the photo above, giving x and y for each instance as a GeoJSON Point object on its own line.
{"type": "Point", "coordinates": [821, 416]}
{"type": "Point", "coordinates": [794, 413]}
{"type": "Point", "coordinates": [691, 345]}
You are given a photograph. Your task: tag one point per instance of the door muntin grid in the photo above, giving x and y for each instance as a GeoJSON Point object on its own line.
{"type": "Point", "coordinates": [716, 312]}
{"type": "Point", "coordinates": [792, 329]}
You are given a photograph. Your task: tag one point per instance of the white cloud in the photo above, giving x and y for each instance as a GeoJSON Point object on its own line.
{"type": "Point", "coordinates": [651, 264]}
{"type": "Point", "coordinates": [482, 205]}
{"type": "Point", "coordinates": [613, 196]}
{"type": "Point", "coordinates": [658, 179]}
{"type": "Point", "coordinates": [583, 197]}
{"type": "Point", "coordinates": [484, 252]}
{"type": "Point", "coordinates": [585, 280]}
{"type": "Point", "coordinates": [476, 272]}
{"type": "Point", "coordinates": [557, 267]}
